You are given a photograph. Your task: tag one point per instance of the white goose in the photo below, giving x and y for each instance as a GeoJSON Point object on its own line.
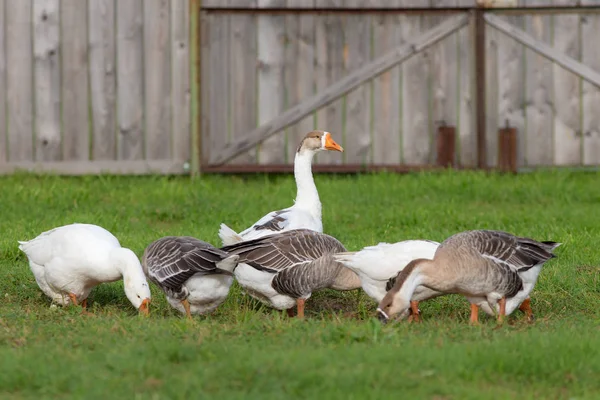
{"type": "Point", "coordinates": [69, 261]}
{"type": "Point", "coordinates": [194, 275]}
{"type": "Point", "coordinates": [306, 211]}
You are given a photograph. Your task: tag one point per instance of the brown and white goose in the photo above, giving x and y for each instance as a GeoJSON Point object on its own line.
{"type": "Point", "coordinates": [194, 275]}
{"type": "Point", "coordinates": [283, 270]}
{"type": "Point", "coordinates": [483, 265]}
{"type": "Point", "coordinates": [306, 211]}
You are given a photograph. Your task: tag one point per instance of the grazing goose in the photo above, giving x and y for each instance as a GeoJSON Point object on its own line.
{"type": "Point", "coordinates": [69, 261]}
{"type": "Point", "coordinates": [306, 211]}
{"type": "Point", "coordinates": [283, 270]}
{"type": "Point", "coordinates": [483, 265]}
{"type": "Point", "coordinates": [194, 275]}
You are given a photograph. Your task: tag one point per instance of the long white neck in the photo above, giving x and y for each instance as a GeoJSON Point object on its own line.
{"type": "Point", "coordinates": [127, 263]}
{"type": "Point", "coordinates": [307, 196]}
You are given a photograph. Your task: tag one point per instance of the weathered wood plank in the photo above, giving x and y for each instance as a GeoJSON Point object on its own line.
{"type": "Point", "coordinates": [102, 52]}
{"type": "Point", "coordinates": [444, 61]}
{"type": "Point", "coordinates": [140, 167]}
{"type": "Point", "coordinates": [465, 126]}
{"type": "Point", "coordinates": [538, 97]}
{"type": "Point", "coordinates": [205, 89]}
{"type": "Point", "coordinates": [130, 82]}
{"type": "Point", "coordinates": [416, 141]}
{"type": "Point", "coordinates": [493, 52]}
{"type": "Point", "coordinates": [590, 26]}
{"type": "Point", "coordinates": [271, 87]}
{"type": "Point", "coordinates": [46, 37]}
{"type": "Point", "coordinates": [510, 93]}
{"type": "Point", "coordinates": [3, 122]}
{"type": "Point", "coordinates": [243, 67]}
{"type": "Point", "coordinates": [548, 51]}
{"type": "Point", "coordinates": [299, 70]}
{"type": "Point", "coordinates": [218, 84]}
{"type": "Point", "coordinates": [357, 52]}
{"type": "Point", "coordinates": [329, 68]}
{"type": "Point", "coordinates": [387, 34]}
{"type": "Point", "coordinates": [567, 107]}
{"type": "Point", "coordinates": [19, 80]}
{"type": "Point", "coordinates": [180, 75]}
{"type": "Point", "coordinates": [157, 79]}
{"type": "Point", "coordinates": [75, 116]}
{"type": "Point", "coordinates": [342, 86]}
{"type": "Point", "coordinates": [343, 4]}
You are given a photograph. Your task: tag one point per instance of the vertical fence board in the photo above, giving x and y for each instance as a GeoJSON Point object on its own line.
{"type": "Point", "coordinates": [511, 92]}
{"type": "Point", "coordinates": [75, 116]}
{"type": "Point", "coordinates": [271, 87]}
{"type": "Point", "coordinates": [157, 79]}
{"type": "Point", "coordinates": [357, 51]}
{"type": "Point", "coordinates": [538, 100]}
{"type": "Point", "coordinates": [329, 67]}
{"type": "Point", "coordinates": [205, 87]}
{"type": "Point", "coordinates": [567, 116]}
{"type": "Point", "coordinates": [444, 74]}
{"type": "Point", "coordinates": [130, 78]}
{"type": "Point", "coordinates": [299, 70]}
{"type": "Point", "coordinates": [415, 86]}
{"type": "Point", "coordinates": [590, 27]}
{"type": "Point", "coordinates": [494, 49]}
{"type": "Point", "coordinates": [243, 67]}
{"type": "Point", "coordinates": [180, 75]}
{"type": "Point", "coordinates": [386, 91]}
{"type": "Point", "coordinates": [3, 124]}
{"type": "Point", "coordinates": [218, 83]}
{"type": "Point", "coordinates": [46, 36]}
{"type": "Point", "coordinates": [467, 137]}
{"type": "Point", "coordinates": [101, 19]}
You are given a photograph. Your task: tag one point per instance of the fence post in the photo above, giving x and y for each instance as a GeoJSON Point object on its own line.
{"type": "Point", "coordinates": [507, 149]}
{"type": "Point", "coordinates": [478, 31]}
{"type": "Point", "coordinates": [195, 87]}
{"type": "Point", "coordinates": [446, 140]}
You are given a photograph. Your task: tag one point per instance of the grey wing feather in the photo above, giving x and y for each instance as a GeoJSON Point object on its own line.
{"type": "Point", "coordinates": [307, 277]}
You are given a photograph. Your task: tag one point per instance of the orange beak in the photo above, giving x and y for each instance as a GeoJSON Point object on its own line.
{"type": "Point", "coordinates": [144, 307]}
{"type": "Point", "coordinates": [330, 144]}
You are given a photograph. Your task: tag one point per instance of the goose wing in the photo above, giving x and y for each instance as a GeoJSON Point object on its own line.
{"type": "Point", "coordinates": [172, 260]}
{"type": "Point", "coordinates": [277, 252]}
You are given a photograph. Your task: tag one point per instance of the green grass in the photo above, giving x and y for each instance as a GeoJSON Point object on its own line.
{"type": "Point", "coordinates": [245, 350]}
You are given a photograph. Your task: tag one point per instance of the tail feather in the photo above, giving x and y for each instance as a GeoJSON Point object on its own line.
{"type": "Point", "coordinates": [228, 264]}
{"type": "Point", "coordinates": [551, 245]}
{"type": "Point", "coordinates": [229, 236]}
{"type": "Point", "coordinates": [344, 257]}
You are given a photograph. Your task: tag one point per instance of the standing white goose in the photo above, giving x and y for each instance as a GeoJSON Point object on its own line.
{"type": "Point", "coordinates": [306, 211]}
{"type": "Point", "coordinates": [485, 266]}
{"type": "Point", "coordinates": [69, 261]}
{"type": "Point", "coordinates": [283, 270]}
{"type": "Point", "coordinates": [194, 275]}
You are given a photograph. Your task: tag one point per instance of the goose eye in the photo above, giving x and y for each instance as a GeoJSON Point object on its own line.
{"type": "Point", "coordinates": [138, 296]}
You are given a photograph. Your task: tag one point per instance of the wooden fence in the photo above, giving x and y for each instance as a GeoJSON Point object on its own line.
{"type": "Point", "coordinates": [94, 85]}
{"type": "Point", "coordinates": [109, 85]}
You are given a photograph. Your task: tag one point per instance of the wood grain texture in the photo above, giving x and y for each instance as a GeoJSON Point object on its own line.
{"type": "Point", "coordinates": [102, 52]}
{"type": "Point", "coordinates": [566, 90]}
{"type": "Point", "coordinates": [157, 79]}
{"type": "Point", "coordinates": [141, 167]}
{"type": "Point", "coordinates": [465, 126]}
{"type": "Point", "coordinates": [130, 79]}
{"type": "Point", "coordinates": [205, 89]}
{"type": "Point", "coordinates": [46, 38]}
{"type": "Point", "coordinates": [299, 71]}
{"type": "Point", "coordinates": [538, 95]}
{"type": "Point", "coordinates": [3, 121]}
{"type": "Point", "coordinates": [243, 73]}
{"type": "Point", "coordinates": [590, 26]}
{"type": "Point", "coordinates": [75, 106]}
{"type": "Point", "coordinates": [271, 87]}
{"type": "Point", "coordinates": [511, 91]}
{"type": "Point", "coordinates": [180, 78]}
{"type": "Point", "coordinates": [386, 131]}
{"type": "Point", "coordinates": [493, 51]}
{"type": "Point", "coordinates": [357, 53]}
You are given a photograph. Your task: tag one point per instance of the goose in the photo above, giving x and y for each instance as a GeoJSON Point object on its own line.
{"type": "Point", "coordinates": [194, 275]}
{"type": "Point", "coordinates": [306, 211]}
{"type": "Point", "coordinates": [69, 261]}
{"type": "Point", "coordinates": [486, 266]}
{"type": "Point", "coordinates": [282, 270]}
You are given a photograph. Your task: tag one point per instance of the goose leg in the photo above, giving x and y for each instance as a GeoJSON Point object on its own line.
{"type": "Point", "coordinates": [300, 306]}
{"type": "Point", "coordinates": [186, 306]}
{"type": "Point", "coordinates": [502, 312]}
{"type": "Point", "coordinates": [474, 320]}
{"type": "Point", "coordinates": [526, 308]}
{"type": "Point", "coordinates": [73, 299]}
{"type": "Point", "coordinates": [414, 308]}
{"type": "Point", "coordinates": [290, 312]}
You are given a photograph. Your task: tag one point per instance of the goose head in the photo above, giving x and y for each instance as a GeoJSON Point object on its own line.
{"type": "Point", "coordinates": [134, 281]}
{"type": "Point", "coordinates": [317, 141]}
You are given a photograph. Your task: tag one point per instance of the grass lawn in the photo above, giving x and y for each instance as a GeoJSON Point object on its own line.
{"type": "Point", "coordinates": [245, 350]}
